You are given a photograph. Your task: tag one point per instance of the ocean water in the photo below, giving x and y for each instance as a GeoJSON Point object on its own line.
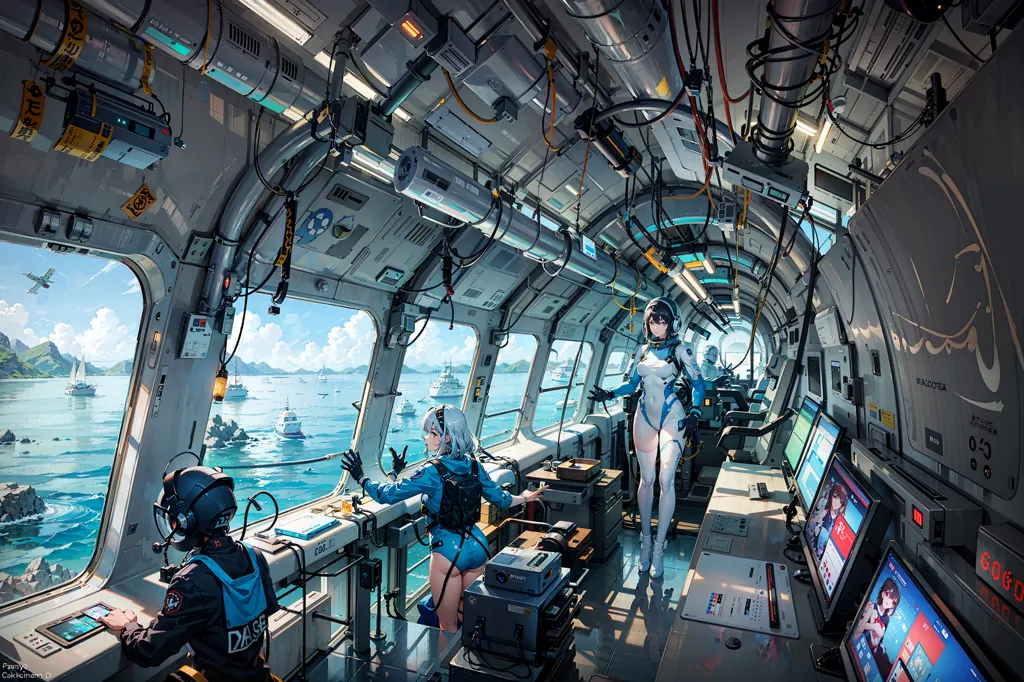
{"type": "Point", "coordinates": [71, 473]}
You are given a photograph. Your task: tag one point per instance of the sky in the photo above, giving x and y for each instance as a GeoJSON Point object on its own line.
{"type": "Point", "coordinates": [101, 320]}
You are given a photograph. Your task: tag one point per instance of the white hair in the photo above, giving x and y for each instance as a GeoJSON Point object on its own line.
{"type": "Point", "coordinates": [456, 439]}
{"type": "Point", "coordinates": [709, 352]}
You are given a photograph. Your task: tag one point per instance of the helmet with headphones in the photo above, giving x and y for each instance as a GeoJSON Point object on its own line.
{"type": "Point", "coordinates": [711, 354]}
{"type": "Point", "coordinates": [665, 308]}
{"type": "Point", "coordinates": [194, 502]}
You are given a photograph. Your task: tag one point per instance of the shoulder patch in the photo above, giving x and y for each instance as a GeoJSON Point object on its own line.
{"type": "Point", "coordinates": [418, 473]}
{"type": "Point", "coordinates": [173, 601]}
{"type": "Point", "coordinates": [689, 351]}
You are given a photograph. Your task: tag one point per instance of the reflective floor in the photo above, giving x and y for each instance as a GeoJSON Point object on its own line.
{"type": "Point", "coordinates": [620, 633]}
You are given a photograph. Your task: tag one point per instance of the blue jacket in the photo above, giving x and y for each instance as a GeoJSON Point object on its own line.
{"type": "Point", "coordinates": [426, 481]}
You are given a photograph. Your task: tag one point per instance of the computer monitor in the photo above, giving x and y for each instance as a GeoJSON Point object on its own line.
{"type": "Point", "coordinates": [798, 437]}
{"type": "Point", "coordinates": [814, 377]}
{"type": "Point", "coordinates": [846, 516]}
{"type": "Point", "coordinates": [903, 632]}
{"type": "Point", "coordinates": [823, 441]}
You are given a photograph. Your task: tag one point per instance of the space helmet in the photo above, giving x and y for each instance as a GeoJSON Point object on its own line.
{"type": "Point", "coordinates": [663, 307]}
{"type": "Point", "coordinates": [711, 354]}
{"type": "Point", "coordinates": [194, 502]}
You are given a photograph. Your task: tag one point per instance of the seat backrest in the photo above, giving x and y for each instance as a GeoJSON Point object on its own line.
{"type": "Point", "coordinates": [773, 407]}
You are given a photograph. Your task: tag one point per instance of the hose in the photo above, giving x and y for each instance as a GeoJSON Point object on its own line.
{"type": "Point", "coordinates": [465, 108]}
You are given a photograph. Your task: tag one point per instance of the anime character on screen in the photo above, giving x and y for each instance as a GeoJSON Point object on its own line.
{"type": "Point", "coordinates": [875, 619]}
{"type": "Point", "coordinates": [830, 507]}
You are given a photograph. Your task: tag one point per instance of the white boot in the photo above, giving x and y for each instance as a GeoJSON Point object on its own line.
{"type": "Point", "coordinates": [658, 560]}
{"type": "Point", "coordinates": [645, 552]}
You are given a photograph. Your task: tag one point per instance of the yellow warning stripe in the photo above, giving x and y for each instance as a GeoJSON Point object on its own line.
{"type": "Point", "coordinates": [72, 41]}
{"type": "Point", "coordinates": [147, 59]}
{"type": "Point", "coordinates": [83, 143]}
{"type": "Point", "coordinates": [30, 118]}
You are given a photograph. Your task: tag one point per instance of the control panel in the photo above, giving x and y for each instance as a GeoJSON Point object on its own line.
{"type": "Point", "coordinates": [68, 631]}
{"type": "Point", "coordinates": [195, 343]}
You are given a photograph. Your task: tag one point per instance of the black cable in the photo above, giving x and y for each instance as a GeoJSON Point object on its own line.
{"type": "Point", "coordinates": [278, 190]}
{"type": "Point", "coordinates": [565, 261]}
{"type": "Point", "coordinates": [253, 503]}
{"type": "Point", "coordinates": [958, 39]}
{"type": "Point", "coordinates": [430, 311]}
{"type": "Point", "coordinates": [362, 74]}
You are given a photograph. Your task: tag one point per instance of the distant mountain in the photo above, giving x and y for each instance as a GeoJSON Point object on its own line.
{"type": "Point", "coordinates": [406, 369]}
{"type": "Point", "coordinates": [361, 369]}
{"type": "Point", "coordinates": [19, 347]}
{"type": "Point", "coordinates": [513, 368]}
{"type": "Point", "coordinates": [425, 368]}
{"type": "Point", "coordinates": [47, 358]}
{"type": "Point", "coordinates": [12, 367]}
{"type": "Point", "coordinates": [121, 369]}
{"type": "Point", "coordinates": [89, 367]}
{"type": "Point", "coordinates": [5, 342]}
{"type": "Point", "coordinates": [249, 369]}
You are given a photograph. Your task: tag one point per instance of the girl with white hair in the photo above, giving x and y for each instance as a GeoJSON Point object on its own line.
{"type": "Point", "coordinates": [451, 484]}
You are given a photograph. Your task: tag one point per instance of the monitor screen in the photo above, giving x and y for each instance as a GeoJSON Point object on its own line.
{"type": "Point", "coordinates": [801, 429]}
{"type": "Point", "coordinates": [814, 376]}
{"type": "Point", "coordinates": [822, 443]}
{"type": "Point", "coordinates": [74, 628]}
{"type": "Point", "coordinates": [900, 634]}
{"type": "Point", "coordinates": [833, 525]}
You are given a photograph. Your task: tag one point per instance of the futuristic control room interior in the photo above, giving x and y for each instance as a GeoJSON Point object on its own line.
{"type": "Point", "coordinates": [464, 340]}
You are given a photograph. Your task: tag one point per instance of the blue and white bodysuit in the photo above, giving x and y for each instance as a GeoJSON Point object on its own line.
{"type": "Point", "coordinates": [660, 419]}
{"type": "Point", "coordinates": [426, 481]}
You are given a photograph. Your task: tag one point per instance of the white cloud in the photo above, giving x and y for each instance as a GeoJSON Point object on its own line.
{"type": "Point", "coordinates": [106, 338]}
{"type": "Point", "coordinates": [347, 345]}
{"type": "Point", "coordinates": [520, 347]}
{"type": "Point", "coordinates": [13, 319]}
{"type": "Point", "coordinates": [107, 267]}
{"type": "Point", "coordinates": [437, 344]}
{"type": "Point", "coordinates": [63, 336]}
{"type": "Point", "coordinates": [133, 287]}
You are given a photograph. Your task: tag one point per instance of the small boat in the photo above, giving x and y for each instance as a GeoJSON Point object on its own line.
{"type": "Point", "coordinates": [562, 403]}
{"type": "Point", "coordinates": [77, 385]}
{"type": "Point", "coordinates": [406, 408]}
{"type": "Point", "coordinates": [236, 390]}
{"type": "Point", "coordinates": [447, 385]}
{"type": "Point", "coordinates": [266, 380]}
{"type": "Point", "coordinates": [337, 390]}
{"type": "Point", "coordinates": [395, 430]}
{"type": "Point", "coordinates": [321, 376]}
{"type": "Point", "coordinates": [423, 400]}
{"type": "Point", "coordinates": [301, 380]}
{"type": "Point", "coordinates": [323, 395]}
{"type": "Point", "coordinates": [288, 424]}
{"type": "Point", "coordinates": [562, 371]}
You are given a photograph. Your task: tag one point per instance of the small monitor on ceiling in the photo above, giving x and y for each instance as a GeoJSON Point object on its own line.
{"type": "Point", "coordinates": [815, 380]}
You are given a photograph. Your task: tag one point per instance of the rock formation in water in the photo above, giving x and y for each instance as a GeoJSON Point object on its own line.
{"type": "Point", "coordinates": [7, 437]}
{"type": "Point", "coordinates": [37, 577]}
{"type": "Point", "coordinates": [17, 502]}
{"type": "Point", "coordinates": [223, 433]}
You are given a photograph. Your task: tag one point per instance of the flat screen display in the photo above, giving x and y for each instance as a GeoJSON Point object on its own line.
{"type": "Point", "coordinates": [801, 430]}
{"type": "Point", "coordinates": [834, 523]}
{"type": "Point", "coordinates": [822, 443]}
{"type": "Point", "coordinates": [814, 376]}
{"type": "Point", "coordinates": [73, 628]}
{"type": "Point", "coordinates": [899, 635]}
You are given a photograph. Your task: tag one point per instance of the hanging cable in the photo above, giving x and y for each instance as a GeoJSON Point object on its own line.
{"type": "Point", "coordinates": [721, 69]}
{"type": "Point", "coordinates": [960, 40]}
{"type": "Point", "coordinates": [590, 136]}
{"type": "Point", "coordinates": [458, 98]}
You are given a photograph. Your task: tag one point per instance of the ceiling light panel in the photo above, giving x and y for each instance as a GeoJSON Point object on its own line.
{"type": "Point", "coordinates": [279, 20]}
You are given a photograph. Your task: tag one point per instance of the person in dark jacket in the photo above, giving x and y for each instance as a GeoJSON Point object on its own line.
{"type": "Point", "coordinates": [219, 601]}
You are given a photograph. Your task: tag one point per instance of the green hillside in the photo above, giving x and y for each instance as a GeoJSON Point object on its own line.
{"type": "Point", "coordinates": [11, 367]}
{"type": "Point", "coordinates": [46, 357]}
{"type": "Point", "coordinates": [121, 369]}
{"type": "Point", "coordinates": [513, 368]}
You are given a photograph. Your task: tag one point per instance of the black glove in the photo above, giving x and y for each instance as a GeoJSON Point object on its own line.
{"type": "Point", "coordinates": [397, 461]}
{"type": "Point", "coordinates": [353, 464]}
{"type": "Point", "coordinates": [600, 394]}
{"type": "Point", "coordinates": [691, 423]}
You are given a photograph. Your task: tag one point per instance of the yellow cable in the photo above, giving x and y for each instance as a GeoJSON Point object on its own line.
{"type": "Point", "coordinates": [455, 94]}
{"type": "Point", "coordinates": [206, 48]}
{"type": "Point", "coordinates": [550, 134]}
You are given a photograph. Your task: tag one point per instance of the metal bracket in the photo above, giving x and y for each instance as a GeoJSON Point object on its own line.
{"type": "Point", "coordinates": [197, 249]}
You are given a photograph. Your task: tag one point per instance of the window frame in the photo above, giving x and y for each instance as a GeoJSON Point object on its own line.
{"type": "Point", "coordinates": [541, 390]}
{"type": "Point", "coordinates": [522, 400]}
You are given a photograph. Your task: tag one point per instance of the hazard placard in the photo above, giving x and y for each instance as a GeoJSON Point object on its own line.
{"type": "Point", "coordinates": [140, 201]}
{"type": "Point", "coordinates": [72, 40]}
{"type": "Point", "coordinates": [83, 143]}
{"type": "Point", "coordinates": [30, 118]}
{"type": "Point", "coordinates": [147, 68]}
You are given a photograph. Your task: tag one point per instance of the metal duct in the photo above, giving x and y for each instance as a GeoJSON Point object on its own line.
{"type": "Point", "coordinates": [634, 37]}
{"type": "Point", "coordinates": [108, 53]}
{"type": "Point", "coordinates": [791, 65]}
{"type": "Point", "coordinates": [425, 178]}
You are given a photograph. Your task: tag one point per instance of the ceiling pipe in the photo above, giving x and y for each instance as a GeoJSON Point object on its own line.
{"type": "Point", "coordinates": [787, 67]}
{"type": "Point", "coordinates": [439, 187]}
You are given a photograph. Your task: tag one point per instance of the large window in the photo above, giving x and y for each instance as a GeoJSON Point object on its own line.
{"type": "Point", "coordinates": [293, 381]}
{"type": "Point", "coordinates": [615, 368]}
{"type": "Point", "coordinates": [508, 386]}
{"type": "Point", "coordinates": [436, 371]}
{"type": "Point", "coordinates": [68, 335]}
{"type": "Point", "coordinates": [732, 349]}
{"type": "Point", "coordinates": [561, 389]}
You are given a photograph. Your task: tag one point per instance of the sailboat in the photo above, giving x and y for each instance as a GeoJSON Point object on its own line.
{"type": "Point", "coordinates": [321, 377]}
{"type": "Point", "coordinates": [77, 385]}
{"type": "Point", "coordinates": [236, 390]}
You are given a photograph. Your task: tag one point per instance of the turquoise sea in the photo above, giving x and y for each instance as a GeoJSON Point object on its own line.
{"type": "Point", "coordinates": [75, 440]}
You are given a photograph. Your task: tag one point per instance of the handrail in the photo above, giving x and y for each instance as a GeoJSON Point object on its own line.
{"type": "Point", "coordinates": [503, 412]}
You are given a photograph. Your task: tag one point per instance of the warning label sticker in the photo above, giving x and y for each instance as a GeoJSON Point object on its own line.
{"type": "Point", "coordinates": [83, 143]}
{"type": "Point", "coordinates": [140, 201]}
{"type": "Point", "coordinates": [30, 118]}
{"type": "Point", "coordinates": [73, 39]}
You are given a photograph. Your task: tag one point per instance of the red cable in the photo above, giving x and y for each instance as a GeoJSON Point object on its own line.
{"type": "Point", "coordinates": [721, 73]}
{"type": "Point", "coordinates": [682, 72]}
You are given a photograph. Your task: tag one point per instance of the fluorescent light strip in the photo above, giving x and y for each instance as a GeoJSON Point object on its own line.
{"type": "Point", "coordinates": [698, 288]}
{"type": "Point", "coordinates": [824, 211]}
{"type": "Point", "coordinates": [279, 20]}
{"type": "Point", "coordinates": [806, 128]}
{"type": "Point", "coordinates": [826, 128]}
{"type": "Point", "coordinates": [572, 189]}
{"type": "Point", "coordinates": [358, 84]}
{"type": "Point", "coordinates": [709, 265]}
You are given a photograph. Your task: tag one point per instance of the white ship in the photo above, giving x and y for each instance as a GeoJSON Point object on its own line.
{"type": "Point", "coordinates": [77, 385]}
{"type": "Point", "coordinates": [321, 376]}
{"type": "Point", "coordinates": [562, 371]}
{"type": "Point", "coordinates": [562, 403]}
{"type": "Point", "coordinates": [236, 390]}
{"type": "Point", "coordinates": [447, 385]}
{"type": "Point", "coordinates": [288, 424]}
{"type": "Point", "coordinates": [406, 408]}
